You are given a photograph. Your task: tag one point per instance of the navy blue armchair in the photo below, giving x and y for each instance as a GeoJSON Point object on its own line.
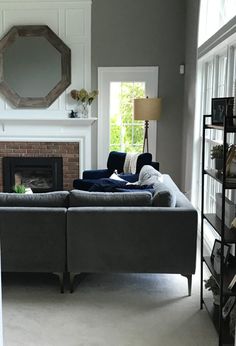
{"type": "Point", "coordinates": [115, 162]}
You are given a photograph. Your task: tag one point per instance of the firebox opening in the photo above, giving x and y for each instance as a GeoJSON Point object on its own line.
{"type": "Point", "coordinates": [41, 174]}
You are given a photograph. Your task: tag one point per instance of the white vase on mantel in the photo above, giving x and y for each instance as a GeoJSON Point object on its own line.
{"type": "Point", "coordinates": [82, 109]}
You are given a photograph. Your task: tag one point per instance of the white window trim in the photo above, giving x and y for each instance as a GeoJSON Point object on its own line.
{"type": "Point", "coordinates": [219, 37]}
{"type": "Point", "coordinates": [223, 39]}
{"type": "Point", "coordinates": [107, 75]}
{"type": "Point", "coordinates": [229, 45]}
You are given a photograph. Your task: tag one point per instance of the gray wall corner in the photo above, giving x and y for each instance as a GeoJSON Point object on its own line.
{"type": "Point", "coordinates": [189, 93]}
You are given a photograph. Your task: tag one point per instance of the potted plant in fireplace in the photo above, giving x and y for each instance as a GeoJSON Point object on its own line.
{"type": "Point", "coordinates": [19, 188]}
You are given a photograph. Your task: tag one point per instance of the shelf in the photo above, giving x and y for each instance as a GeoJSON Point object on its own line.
{"type": "Point", "coordinates": [213, 311]}
{"type": "Point", "coordinates": [229, 274]}
{"type": "Point", "coordinates": [229, 129]}
{"type": "Point", "coordinates": [215, 222]}
{"type": "Point", "coordinates": [228, 271]}
{"type": "Point", "coordinates": [50, 120]}
{"type": "Point", "coordinates": [218, 177]}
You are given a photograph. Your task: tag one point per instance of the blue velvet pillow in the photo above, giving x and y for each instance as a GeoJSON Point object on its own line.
{"type": "Point", "coordinates": [116, 161]}
{"type": "Point", "coordinates": [143, 159]}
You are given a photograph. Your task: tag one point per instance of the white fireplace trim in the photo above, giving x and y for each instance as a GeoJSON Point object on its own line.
{"type": "Point", "coordinates": [51, 130]}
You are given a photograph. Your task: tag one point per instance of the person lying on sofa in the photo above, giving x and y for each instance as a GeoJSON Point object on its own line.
{"type": "Point", "coordinates": [148, 176]}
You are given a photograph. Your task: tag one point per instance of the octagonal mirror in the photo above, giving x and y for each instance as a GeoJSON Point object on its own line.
{"type": "Point", "coordinates": [35, 66]}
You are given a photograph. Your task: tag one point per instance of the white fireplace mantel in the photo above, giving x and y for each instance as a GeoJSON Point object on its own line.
{"type": "Point", "coordinates": [51, 130]}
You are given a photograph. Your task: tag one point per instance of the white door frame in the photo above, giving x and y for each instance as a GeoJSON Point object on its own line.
{"type": "Point", "coordinates": [148, 74]}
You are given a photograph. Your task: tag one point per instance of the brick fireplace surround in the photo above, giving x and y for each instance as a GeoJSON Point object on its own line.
{"type": "Point", "coordinates": [69, 151]}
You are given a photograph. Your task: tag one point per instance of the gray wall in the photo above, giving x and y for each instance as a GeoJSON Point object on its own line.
{"type": "Point", "coordinates": [146, 33]}
{"type": "Point", "coordinates": [189, 93]}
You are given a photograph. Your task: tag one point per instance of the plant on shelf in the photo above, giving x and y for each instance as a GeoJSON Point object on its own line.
{"type": "Point", "coordinates": [19, 188]}
{"type": "Point", "coordinates": [217, 154]}
{"type": "Point", "coordinates": [84, 99]}
{"type": "Point", "coordinates": [211, 285]}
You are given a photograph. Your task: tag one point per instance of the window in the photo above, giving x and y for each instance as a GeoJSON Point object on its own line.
{"type": "Point", "coordinates": [216, 78]}
{"type": "Point", "coordinates": [126, 134]}
{"type": "Point", "coordinates": [117, 130]}
{"type": "Point", "coordinates": [213, 15]}
{"type": "Point", "coordinates": [215, 82]}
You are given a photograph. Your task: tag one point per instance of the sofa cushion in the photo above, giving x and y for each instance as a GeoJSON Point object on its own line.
{"type": "Point", "coordinates": [101, 199]}
{"type": "Point", "coordinates": [163, 196]}
{"type": "Point", "coordinates": [48, 199]}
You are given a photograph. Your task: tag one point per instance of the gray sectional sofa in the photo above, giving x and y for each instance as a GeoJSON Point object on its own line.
{"type": "Point", "coordinates": [78, 231]}
{"type": "Point", "coordinates": [33, 232]}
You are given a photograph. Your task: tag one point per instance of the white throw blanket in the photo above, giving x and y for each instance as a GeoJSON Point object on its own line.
{"type": "Point", "coordinates": [149, 176]}
{"type": "Point", "coordinates": [130, 163]}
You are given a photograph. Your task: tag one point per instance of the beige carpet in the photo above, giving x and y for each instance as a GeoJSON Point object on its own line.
{"type": "Point", "coordinates": [104, 310]}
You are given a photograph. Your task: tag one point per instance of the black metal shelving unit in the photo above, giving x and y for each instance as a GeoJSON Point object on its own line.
{"type": "Point", "coordinates": [228, 236]}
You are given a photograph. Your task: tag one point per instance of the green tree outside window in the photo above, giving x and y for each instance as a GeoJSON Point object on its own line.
{"type": "Point", "coordinates": [125, 133]}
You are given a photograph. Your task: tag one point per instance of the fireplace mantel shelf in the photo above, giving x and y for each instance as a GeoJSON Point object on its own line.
{"type": "Point", "coordinates": [56, 120]}
{"type": "Point", "coordinates": [49, 129]}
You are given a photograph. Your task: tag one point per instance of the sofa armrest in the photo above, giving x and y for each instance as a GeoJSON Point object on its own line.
{"type": "Point", "coordinates": [33, 239]}
{"type": "Point", "coordinates": [96, 174]}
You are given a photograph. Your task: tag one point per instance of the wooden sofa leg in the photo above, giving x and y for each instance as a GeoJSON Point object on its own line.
{"type": "Point", "coordinates": [189, 278]}
{"type": "Point", "coordinates": [60, 276]}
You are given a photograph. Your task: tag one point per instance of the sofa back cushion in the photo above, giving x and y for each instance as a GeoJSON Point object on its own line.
{"type": "Point", "coordinates": [48, 199]}
{"type": "Point", "coordinates": [80, 198]}
{"type": "Point", "coordinates": [163, 196]}
{"type": "Point", "coordinates": [181, 200]}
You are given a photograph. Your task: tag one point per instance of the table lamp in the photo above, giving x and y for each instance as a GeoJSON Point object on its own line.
{"type": "Point", "coordinates": [147, 109]}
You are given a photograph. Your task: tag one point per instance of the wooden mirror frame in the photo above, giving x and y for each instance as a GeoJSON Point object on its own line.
{"type": "Point", "coordinates": [31, 31]}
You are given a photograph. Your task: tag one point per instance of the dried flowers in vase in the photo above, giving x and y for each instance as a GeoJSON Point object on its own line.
{"type": "Point", "coordinates": [84, 99]}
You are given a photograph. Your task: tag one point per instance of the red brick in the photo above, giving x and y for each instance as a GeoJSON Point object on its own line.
{"type": "Point", "coordinates": [69, 151]}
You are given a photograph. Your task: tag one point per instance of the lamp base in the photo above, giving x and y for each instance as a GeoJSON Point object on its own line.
{"type": "Point", "coordinates": [145, 140]}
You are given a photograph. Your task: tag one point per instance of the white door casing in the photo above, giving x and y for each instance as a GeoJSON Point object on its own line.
{"type": "Point", "coordinates": [106, 75]}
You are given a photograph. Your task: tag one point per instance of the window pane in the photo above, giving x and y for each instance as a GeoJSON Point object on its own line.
{"type": "Point", "coordinates": [116, 134]}
{"type": "Point", "coordinates": [125, 133]}
{"type": "Point", "coordinates": [213, 15]}
{"type": "Point", "coordinates": [222, 76]}
{"type": "Point", "coordinates": [138, 134]}
{"type": "Point", "coordinates": [209, 86]}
